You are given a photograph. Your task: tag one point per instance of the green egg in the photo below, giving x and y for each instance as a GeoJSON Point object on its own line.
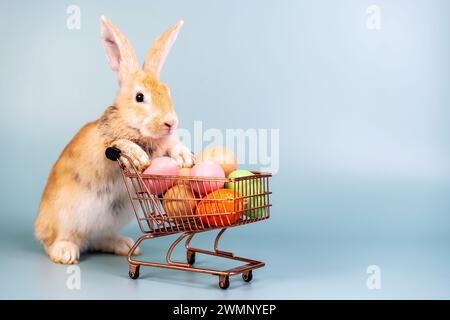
{"type": "Point", "coordinates": [247, 188]}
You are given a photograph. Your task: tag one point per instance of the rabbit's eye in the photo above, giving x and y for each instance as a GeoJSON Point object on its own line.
{"type": "Point", "coordinates": [139, 97]}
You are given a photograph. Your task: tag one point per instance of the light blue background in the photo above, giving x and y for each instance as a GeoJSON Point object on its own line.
{"type": "Point", "coordinates": [364, 138]}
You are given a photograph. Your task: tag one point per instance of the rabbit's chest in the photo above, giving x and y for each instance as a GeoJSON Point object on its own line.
{"type": "Point", "coordinates": [106, 208]}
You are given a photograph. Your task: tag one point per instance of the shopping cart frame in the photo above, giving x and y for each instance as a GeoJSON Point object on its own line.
{"type": "Point", "coordinates": [244, 269]}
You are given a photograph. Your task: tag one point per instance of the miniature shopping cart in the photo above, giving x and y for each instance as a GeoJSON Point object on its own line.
{"type": "Point", "coordinates": [184, 210]}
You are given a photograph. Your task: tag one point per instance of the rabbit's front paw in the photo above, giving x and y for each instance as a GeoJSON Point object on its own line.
{"type": "Point", "coordinates": [182, 155]}
{"type": "Point", "coordinates": [134, 152]}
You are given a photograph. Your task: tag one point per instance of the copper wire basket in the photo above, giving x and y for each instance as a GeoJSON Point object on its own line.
{"type": "Point", "coordinates": [165, 205]}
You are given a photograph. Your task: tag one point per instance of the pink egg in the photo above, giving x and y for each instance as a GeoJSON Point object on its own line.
{"type": "Point", "coordinates": [162, 166]}
{"type": "Point", "coordinates": [210, 170]}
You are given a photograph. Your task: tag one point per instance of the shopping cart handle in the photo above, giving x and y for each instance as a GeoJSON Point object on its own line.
{"type": "Point", "coordinates": [112, 153]}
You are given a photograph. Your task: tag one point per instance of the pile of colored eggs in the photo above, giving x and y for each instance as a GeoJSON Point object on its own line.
{"type": "Point", "coordinates": [204, 193]}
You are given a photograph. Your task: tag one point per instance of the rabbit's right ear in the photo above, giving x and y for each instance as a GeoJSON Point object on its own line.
{"type": "Point", "coordinates": [120, 53]}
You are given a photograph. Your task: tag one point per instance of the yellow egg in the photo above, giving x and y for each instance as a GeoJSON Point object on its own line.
{"type": "Point", "coordinates": [183, 173]}
{"type": "Point", "coordinates": [220, 155]}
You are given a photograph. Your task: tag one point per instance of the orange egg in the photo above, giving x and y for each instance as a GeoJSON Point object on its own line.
{"type": "Point", "coordinates": [220, 155]}
{"type": "Point", "coordinates": [220, 208]}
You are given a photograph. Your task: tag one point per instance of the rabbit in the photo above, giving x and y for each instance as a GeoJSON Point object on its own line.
{"type": "Point", "coordinates": [85, 203]}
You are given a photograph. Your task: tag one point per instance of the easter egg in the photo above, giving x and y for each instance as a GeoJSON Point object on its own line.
{"type": "Point", "coordinates": [207, 169]}
{"type": "Point", "coordinates": [183, 173]}
{"type": "Point", "coordinates": [220, 208]}
{"type": "Point", "coordinates": [250, 190]}
{"type": "Point", "coordinates": [162, 166]}
{"type": "Point", "coordinates": [179, 201]}
{"type": "Point", "coordinates": [220, 155]}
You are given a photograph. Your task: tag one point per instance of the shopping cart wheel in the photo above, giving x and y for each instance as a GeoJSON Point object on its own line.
{"type": "Point", "coordinates": [247, 276]}
{"type": "Point", "coordinates": [190, 257]}
{"type": "Point", "coordinates": [224, 282]}
{"type": "Point", "coordinates": [134, 272]}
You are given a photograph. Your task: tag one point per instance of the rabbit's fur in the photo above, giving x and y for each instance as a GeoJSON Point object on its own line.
{"type": "Point", "coordinates": [85, 203]}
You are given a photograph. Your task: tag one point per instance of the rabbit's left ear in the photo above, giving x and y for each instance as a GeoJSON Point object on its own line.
{"type": "Point", "coordinates": [160, 49]}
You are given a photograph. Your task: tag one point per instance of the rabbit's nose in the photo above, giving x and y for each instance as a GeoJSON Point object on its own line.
{"type": "Point", "coordinates": [169, 123]}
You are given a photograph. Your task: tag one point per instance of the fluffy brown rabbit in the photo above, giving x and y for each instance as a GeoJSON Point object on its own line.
{"type": "Point", "coordinates": [85, 203]}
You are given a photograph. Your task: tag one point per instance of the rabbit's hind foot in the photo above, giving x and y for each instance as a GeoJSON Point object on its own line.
{"type": "Point", "coordinates": [64, 252]}
{"type": "Point", "coordinates": [118, 245]}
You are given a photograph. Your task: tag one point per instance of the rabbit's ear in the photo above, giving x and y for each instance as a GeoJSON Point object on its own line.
{"type": "Point", "coordinates": [160, 49]}
{"type": "Point", "coordinates": [120, 52]}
